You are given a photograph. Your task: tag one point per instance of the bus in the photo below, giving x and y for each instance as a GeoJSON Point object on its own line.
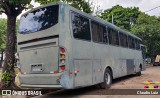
{"type": "Point", "coordinates": [62, 47]}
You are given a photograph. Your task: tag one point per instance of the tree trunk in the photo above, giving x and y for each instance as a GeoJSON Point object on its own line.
{"type": "Point", "coordinates": [9, 61]}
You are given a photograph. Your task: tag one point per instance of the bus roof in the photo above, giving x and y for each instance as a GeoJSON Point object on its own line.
{"type": "Point", "coordinates": [101, 21]}
{"type": "Point", "coordinates": [108, 24]}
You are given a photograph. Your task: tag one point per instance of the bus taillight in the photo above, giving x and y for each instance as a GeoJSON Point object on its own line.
{"type": "Point", "coordinates": [20, 71]}
{"type": "Point", "coordinates": [62, 56]}
{"type": "Point", "coordinates": [62, 68]}
{"type": "Point", "coordinates": [62, 50]}
{"type": "Point", "coordinates": [62, 60]}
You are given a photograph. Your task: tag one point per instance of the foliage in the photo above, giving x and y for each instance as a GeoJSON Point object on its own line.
{"type": "Point", "coordinates": [144, 26]}
{"type": "Point", "coordinates": [148, 28]}
{"type": "Point", "coordinates": [3, 27]}
{"type": "Point", "coordinates": [14, 7]}
{"type": "Point", "coordinates": [79, 4]}
{"type": "Point", "coordinates": [6, 76]}
{"type": "Point", "coordinates": [122, 17]}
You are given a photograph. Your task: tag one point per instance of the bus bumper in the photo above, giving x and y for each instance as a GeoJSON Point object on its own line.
{"type": "Point", "coordinates": [41, 86]}
{"type": "Point", "coordinates": [40, 80]}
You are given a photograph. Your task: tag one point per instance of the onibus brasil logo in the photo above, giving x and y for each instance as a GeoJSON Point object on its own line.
{"type": "Point", "coordinates": [149, 84]}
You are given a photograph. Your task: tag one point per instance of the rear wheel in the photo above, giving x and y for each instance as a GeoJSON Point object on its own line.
{"type": "Point", "coordinates": [107, 79]}
{"type": "Point", "coordinates": [140, 69]}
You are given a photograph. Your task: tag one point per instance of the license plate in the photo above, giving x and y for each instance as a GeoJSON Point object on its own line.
{"type": "Point", "coordinates": [36, 67]}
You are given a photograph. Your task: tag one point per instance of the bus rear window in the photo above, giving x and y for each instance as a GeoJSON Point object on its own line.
{"type": "Point", "coordinates": [39, 19]}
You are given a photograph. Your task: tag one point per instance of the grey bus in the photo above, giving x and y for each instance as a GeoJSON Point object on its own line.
{"type": "Point", "coordinates": [62, 47]}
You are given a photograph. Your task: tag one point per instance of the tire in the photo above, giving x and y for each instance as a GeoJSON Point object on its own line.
{"type": "Point", "coordinates": [107, 80]}
{"type": "Point", "coordinates": [139, 73]}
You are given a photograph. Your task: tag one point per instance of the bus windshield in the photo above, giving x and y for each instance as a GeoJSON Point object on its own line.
{"type": "Point", "coordinates": [39, 19]}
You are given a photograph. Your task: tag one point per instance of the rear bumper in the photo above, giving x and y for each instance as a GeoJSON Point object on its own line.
{"type": "Point", "coordinates": [40, 80]}
{"type": "Point", "coordinates": [41, 86]}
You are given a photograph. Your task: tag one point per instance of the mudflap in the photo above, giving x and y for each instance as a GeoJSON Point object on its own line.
{"type": "Point", "coordinates": [65, 81]}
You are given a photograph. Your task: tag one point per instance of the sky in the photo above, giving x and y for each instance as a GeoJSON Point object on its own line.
{"type": "Point", "coordinates": [144, 5]}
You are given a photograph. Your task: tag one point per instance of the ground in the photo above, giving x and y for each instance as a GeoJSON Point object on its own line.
{"type": "Point", "coordinates": [128, 82]}
{"type": "Point", "coordinates": [134, 82]}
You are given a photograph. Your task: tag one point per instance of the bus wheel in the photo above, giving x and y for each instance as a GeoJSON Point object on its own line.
{"type": "Point", "coordinates": [139, 73]}
{"type": "Point", "coordinates": [107, 80]}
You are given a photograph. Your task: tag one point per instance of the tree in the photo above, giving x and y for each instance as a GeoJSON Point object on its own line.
{"type": "Point", "coordinates": [147, 28]}
{"type": "Point", "coordinates": [122, 17]}
{"type": "Point", "coordinates": [79, 4]}
{"type": "Point", "coordinates": [12, 8]}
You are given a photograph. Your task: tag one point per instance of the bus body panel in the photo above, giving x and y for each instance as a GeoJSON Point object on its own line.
{"type": "Point", "coordinates": [86, 61]}
{"type": "Point", "coordinates": [65, 40]}
{"type": "Point", "coordinates": [39, 79]}
{"type": "Point", "coordinates": [40, 34]}
{"type": "Point", "coordinates": [82, 55]}
{"type": "Point", "coordinates": [42, 60]}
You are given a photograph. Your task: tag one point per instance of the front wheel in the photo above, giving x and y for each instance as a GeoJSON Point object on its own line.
{"type": "Point", "coordinates": [107, 79]}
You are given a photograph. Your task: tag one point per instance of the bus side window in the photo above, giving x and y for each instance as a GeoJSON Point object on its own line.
{"type": "Point", "coordinates": [95, 33]}
{"type": "Point", "coordinates": [121, 39]}
{"type": "Point", "coordinates": [81, 28]}
{"type": "Point", "coordinates": [105, 35]}
{"type": "Point", "coordinates": [125, 41]}
{"type": "Point", "coordinates": [131, 42]}
{"type": "Point", "coordinates": [137, 42]}
{"type": "Point", "coordinates": [113, 37]}
{"type": "Point", "coordinates": [98, 32]}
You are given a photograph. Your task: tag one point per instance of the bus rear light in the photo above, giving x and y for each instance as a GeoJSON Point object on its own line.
{"type": "Point", "coordinates": [76, 71]}
{"type": "Point", "coordinates": [70, 72]}
{"type": "Point", "coordinates": [62, 68]}
{"type": "Point", "coordinates": [62, 56]}
{"type": "Point", "coordinates": [62, 50]}
{"type": "Point", "coordinates": [55, 72]}
{"type": "Point", "coordinates": [62, 60]}
{"type": "Point", "coordinates": [20, 71]}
